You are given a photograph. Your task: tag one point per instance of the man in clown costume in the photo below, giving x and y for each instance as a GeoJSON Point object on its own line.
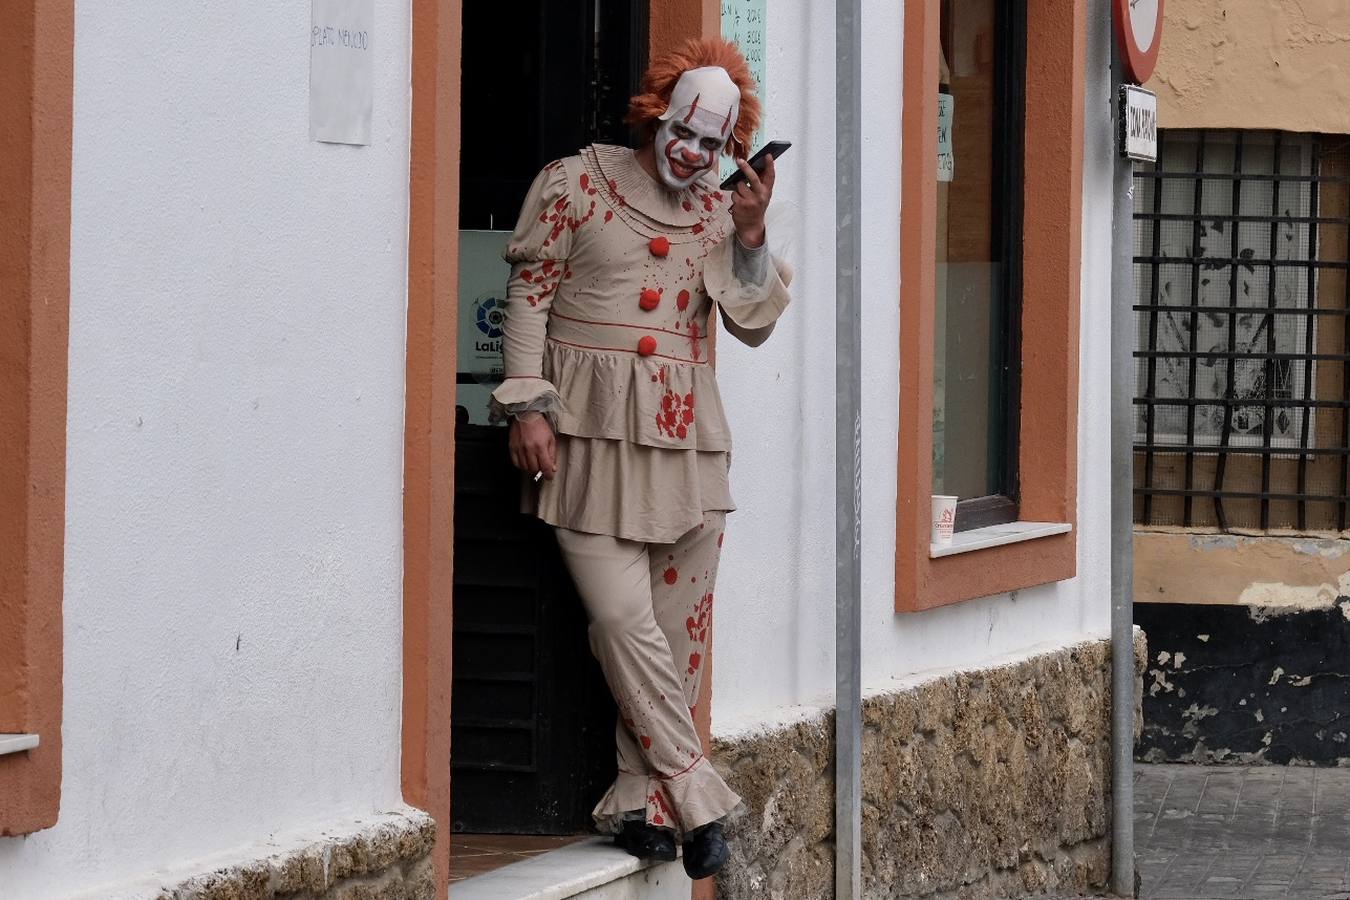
{"type": "Point", "coordinates": [618, 260]}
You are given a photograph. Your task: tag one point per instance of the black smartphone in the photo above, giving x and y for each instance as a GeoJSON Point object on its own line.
{"type": "Point", "coordinates": [776, 148]}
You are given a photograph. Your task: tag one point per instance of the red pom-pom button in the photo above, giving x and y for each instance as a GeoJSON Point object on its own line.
{"type": "Point", "coordinates": [647, 346]}
{"type": "Point", "coordinates": [649, 299]}
{"type": "Point", "coordinates": [659, 246]}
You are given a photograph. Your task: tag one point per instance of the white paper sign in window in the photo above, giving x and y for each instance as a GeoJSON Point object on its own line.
{"type": "Point", "coordinates": [946, 165]}
{"type": "Point", "coordinates": [341, 69]}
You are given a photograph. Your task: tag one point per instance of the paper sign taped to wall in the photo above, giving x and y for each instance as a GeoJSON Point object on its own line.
{"type": "Point", "coordinates": [341, 71]}
{"type": "Point", "coordinates": [946, 166]}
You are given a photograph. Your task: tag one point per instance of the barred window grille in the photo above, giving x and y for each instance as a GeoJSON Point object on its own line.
{"type": "Point", "coordinates": [1241, 248]}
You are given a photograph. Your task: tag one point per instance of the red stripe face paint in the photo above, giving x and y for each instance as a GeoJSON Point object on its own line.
{"type": "Point", "coordinates": [700, 119]}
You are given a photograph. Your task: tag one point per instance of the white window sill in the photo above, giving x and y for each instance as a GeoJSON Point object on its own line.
{"type": "Point", "coordinates": [997, 536]}
{"type": "Point", "coordinates": [17, 743]}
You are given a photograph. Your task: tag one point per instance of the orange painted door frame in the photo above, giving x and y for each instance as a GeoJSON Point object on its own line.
{"type": "Point", "coordinates": [429, 427]}
{"type": "Point", "coordinates": [670, 23]}
{"type": "Point", "coordinates": [36, 70]}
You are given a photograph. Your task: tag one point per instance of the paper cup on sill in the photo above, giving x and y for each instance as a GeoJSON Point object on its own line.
{"type": "Point", "coordinates": [944, 520]}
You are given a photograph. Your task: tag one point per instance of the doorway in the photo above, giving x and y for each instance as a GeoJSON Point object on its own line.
{"type": "Point", "coordinates": [532, 721]}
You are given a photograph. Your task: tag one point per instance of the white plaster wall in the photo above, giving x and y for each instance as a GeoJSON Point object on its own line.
{"type": "Point", "coordinates": [233, 542]}
{"type": "Point", "coordinates": [774, 627]}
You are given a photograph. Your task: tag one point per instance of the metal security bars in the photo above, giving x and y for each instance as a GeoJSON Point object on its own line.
{"type": "Point", "coordinates": [1242, 312]}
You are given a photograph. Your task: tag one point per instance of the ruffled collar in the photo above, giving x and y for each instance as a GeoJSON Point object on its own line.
{"type": "Point", "coordinates": [648, 205]}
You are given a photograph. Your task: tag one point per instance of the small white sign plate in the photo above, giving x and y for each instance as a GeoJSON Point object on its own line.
{"type": "Point", "coordinates": [1138, 123]}
{"type": "Point", "coordinates": [341, 71]}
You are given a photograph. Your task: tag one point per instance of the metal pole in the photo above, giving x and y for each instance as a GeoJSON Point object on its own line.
{"type": "Point", "coordinates": [848, 453]}
{"type": "Point", "coordinates": [1122, 499]}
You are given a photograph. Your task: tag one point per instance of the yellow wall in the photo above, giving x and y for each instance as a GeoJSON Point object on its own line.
{"type": "Point", "coordinates": [1281, 64]}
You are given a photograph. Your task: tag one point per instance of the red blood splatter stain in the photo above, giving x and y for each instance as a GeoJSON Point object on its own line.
{"type": "Point", "coordinates": [654, 378]}
{"type": "Point", "coordinates": [688, 207]}
{"type": "Point", "coordinates": [676, 416]}
{"type": "Point", "coordinates": [646, 742]}
{"type": "Point", "coordinates": [660, 246]}
{"type": "Point", "coordinates": [560, 205]}
{"type": "Point", "coordinates": [660, 808]}
{"type": "Point", "coordinates": [697, 228]}
{"type": "Point", "coordinates": [720, 537]}
{"type": "Point", "coordinates": [717, 195]}
{"type": "Point", "coordinates": [649, 299]}
{"type": "Point", "coordinates": [547, 267]}
{"type": "Point", "coordinates": [532, 300]}
{"type": "Point", "coordinates": [585, 181]}
{"type": "Point", "coordinates": [527, 276]}
{"type": "Point", "coordinates": [693, 340]}
{"type": "Point", "coordinates": [629, 722]}
{"type": "Point", "coordinates": [707, 202]}
{"type": "Point", "coordinates": [697, 624]}
{"type": "Point", "coordinates": [609, 214]}
{"type": "Point", "coordinates": [682, 301]}
{"type": "Point", "coordinates": [695, 659]}
{"type": "Point", "coordinates": [672, 575]}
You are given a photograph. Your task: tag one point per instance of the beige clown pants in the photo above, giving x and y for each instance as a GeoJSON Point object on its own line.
{"type": "Point", "coordinates": [650, 608]}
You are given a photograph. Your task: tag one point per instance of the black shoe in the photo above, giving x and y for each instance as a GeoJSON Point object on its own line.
{"type": "Point", "coordinates": [705, 851]}
{"type": "Point", "coordinates": [646, 841]}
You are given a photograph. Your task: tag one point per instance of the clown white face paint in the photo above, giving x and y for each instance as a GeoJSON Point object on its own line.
{"type": "Point", "coordinates": [696, 126]}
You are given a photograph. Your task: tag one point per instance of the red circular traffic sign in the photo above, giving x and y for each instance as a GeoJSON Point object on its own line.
{"type": "Point", "coordinates": [1139, 31]}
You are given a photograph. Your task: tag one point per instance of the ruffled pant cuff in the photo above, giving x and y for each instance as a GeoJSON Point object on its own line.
{"type": "Point", "coordinates": [684, 802]}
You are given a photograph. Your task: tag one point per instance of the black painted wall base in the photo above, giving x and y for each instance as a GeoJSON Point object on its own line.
{"type": "Point", "coordinates": [1238, 684]}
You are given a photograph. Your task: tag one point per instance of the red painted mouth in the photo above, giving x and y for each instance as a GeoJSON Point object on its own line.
{"type": "Point", "coordinates": [682, 171]}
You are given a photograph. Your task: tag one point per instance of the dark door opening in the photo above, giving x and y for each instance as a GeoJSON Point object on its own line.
{"type": "Point", "coordinates": [532, 721]}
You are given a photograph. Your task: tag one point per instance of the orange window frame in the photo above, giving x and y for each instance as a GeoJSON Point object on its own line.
{"type": "Point", "coordinates": [1051, 260]}
{"type": "Point", "coordinates": [35, 141]}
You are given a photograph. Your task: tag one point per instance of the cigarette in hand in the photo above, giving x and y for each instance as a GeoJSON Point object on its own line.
{"type": "Point", "coordinates": [537, 476]}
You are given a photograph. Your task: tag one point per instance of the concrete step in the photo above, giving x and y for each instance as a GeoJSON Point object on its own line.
{"type": "Point", "coordinates": [593, 869]}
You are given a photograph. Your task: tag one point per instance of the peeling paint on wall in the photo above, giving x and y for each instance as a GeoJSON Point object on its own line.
{"type": "Point", "coordinates": [1234, 687]}
{"type": "Point", "coordinates": [1281, 64]}
{"type": "Point", "coordinates": [1269, 574]}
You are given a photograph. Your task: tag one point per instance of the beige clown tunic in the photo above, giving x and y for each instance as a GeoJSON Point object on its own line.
{"type": "Point", "coordinates": [632, 390]}
{"type": "Point", "coordinates": [613, 280]}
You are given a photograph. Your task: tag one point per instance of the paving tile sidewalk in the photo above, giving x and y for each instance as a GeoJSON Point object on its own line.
{"type": "Point", "coordinates": [1256, 832]}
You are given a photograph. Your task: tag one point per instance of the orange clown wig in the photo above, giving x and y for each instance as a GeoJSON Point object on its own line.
{"type": "Point", "coordinates": [658, 84]}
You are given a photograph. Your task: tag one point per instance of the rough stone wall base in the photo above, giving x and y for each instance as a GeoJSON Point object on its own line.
{"type": "Point", "coordinates": [982, 784]}
{"type": "Point", "coordinates": [376, 857]}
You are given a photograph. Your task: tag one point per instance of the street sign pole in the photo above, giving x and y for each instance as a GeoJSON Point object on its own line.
{"type": "Point", "coordinates": [848, 452]}
{"type": "Point", "coordinates": [1122, 506]}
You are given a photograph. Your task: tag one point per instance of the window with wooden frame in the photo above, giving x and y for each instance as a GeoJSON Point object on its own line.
{"type": "Point", "coordinates": [35, 143]}
{"type": "Point", "coordinates": [990, 295]}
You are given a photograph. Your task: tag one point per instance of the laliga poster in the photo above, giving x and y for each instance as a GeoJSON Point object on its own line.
{"type": "Point", "coordinates": [482, 295]}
